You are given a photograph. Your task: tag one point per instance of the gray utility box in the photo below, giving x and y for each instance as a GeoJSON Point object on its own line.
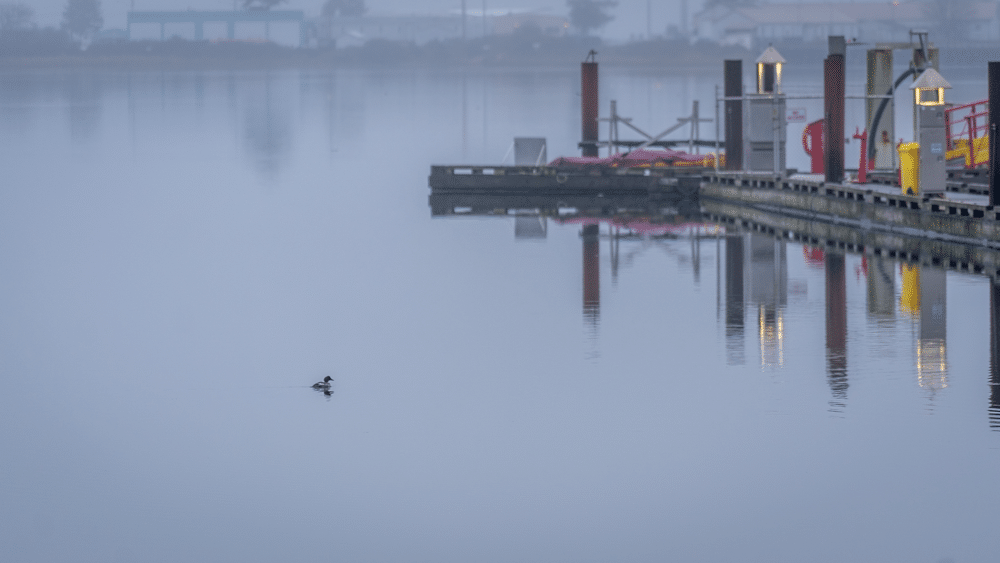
{"type": "Point", "coordinates": [930, 135]}
{"type": "Point", "coordinates": [763, 132]}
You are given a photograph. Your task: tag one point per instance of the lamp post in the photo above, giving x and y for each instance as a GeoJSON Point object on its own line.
{"type": "Point", "coordinates": [929, 131]}
{"type": "Point", "coordinates": [764, 128]}
{"type": "Point", "coordinates": [769, 71]}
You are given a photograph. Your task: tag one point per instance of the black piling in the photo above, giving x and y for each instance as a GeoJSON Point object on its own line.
{"type": "Point", "coordinates": [833, 102]}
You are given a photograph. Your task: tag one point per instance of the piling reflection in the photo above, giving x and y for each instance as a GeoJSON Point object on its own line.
{"type": "Point", "coordinates": [994, 409]}
{"type": "Point", "coordinates": [836, 328]}
{"type": "Point", "coordinates": [931, 354]}
{"type": "Point", "coordinates": [881, 288]}
{"type": "Point", "coordinates": [591, 276]}
{"type": "Point", "coordinates": [735, 299]}
{"type": "Point", "coordinates": [768, 293]}
{"type": "Point", "coordinates": [906, 281]}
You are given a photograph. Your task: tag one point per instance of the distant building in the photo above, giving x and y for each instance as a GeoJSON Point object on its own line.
{"type": "Point", "coordinates": [422, 29]}
{"type": "Point", "coordinates": [285, 27]}
{"type": "Point", "coordinates": [752, 26]}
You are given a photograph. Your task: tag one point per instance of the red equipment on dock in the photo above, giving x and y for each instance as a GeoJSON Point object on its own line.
{"type": "Point", "coordinates": [812, 142]}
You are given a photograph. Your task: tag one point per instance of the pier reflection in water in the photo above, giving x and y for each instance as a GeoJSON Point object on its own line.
{"type": "Point", "coordinates": [753, 284]}
{"type": "Point", "coordinates": [995, 354]}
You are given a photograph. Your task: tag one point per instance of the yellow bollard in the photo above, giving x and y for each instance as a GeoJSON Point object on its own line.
{"type": "Point", "coordinates": [909, 168]}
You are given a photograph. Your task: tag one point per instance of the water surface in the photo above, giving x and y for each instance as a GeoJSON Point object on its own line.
{"type": "Point", "coordinates": [185, 253]}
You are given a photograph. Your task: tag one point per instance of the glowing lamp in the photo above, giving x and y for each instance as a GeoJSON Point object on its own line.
{"type": "Point", "coordinates": [928, 90]}
{"type": "Point", "coordinates": [769, 72]}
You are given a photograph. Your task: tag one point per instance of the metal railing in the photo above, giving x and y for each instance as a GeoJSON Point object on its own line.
{"type": "Point", "coordinates": [967, 129]}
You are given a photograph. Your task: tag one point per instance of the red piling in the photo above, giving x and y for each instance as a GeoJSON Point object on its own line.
{"type": "Point", "coordinates": [589, 102]}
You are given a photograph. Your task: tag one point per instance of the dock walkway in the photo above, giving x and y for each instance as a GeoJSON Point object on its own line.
{"type": "Point", "coordinates": [963, 218]}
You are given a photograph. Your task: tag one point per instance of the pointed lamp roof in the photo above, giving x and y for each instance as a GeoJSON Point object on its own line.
{"type": "Point", "coordinates": [930, 79]}
{"type": "Point", "coordinates": [771, 56]}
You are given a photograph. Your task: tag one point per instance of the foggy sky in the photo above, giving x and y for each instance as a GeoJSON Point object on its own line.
{"type": "Point", "coordinates": [630, 15]}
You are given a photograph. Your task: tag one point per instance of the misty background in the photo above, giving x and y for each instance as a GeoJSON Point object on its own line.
{"type": "Point", "coordinates": [630, 15]}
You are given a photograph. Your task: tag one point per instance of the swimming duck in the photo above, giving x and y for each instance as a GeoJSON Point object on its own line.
{"type": "Point", "coordinates": [323, 385]}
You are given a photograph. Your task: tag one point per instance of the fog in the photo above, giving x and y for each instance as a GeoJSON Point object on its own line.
{"type": "Point", "coordinates": [630, 15]}
{"type": "Point", "coordinates": [186, 252]}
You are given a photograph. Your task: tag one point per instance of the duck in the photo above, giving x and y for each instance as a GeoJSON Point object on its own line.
{"type": "Point", "coordinates": [323, 385]}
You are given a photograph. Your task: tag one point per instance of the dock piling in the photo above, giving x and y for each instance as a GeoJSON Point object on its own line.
{"type": "Point", "coordinates": [733, 77]}
{"type": "Point", "coordinates": [833, 101]}
{"type": "Point", "coordinates": [589, 101]}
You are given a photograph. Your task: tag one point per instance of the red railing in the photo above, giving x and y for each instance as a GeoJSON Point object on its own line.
{"type": "Point", "coordinates": [974, 124]}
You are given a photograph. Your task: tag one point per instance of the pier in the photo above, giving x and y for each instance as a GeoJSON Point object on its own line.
{"type": "Point", "coordinates": [866, 207]}
{"type": "Point", "coordinates": [925, 198]}
{"type": "Point", "coordinates": [554, 180]}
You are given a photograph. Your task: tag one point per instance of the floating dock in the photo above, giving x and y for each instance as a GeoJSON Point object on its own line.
{"type": "Point", "coordinates": [551, 180]}
{"type": "Point", "coordinates": [951, 206]}
{"type": "Point", "coordinates": [868, 207]}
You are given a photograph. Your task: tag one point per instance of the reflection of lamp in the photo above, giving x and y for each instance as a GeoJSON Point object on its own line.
{"type": "Point", "coordinates": [928, 90]}
{"type": "Point", "coordinates": [923, 296]}
{"type": "Point", "coordinates": [769, 72]}
{"type": "Point", "coordinates": [932, 364]}
{"type": "Point", "coordinates": [771, 323]}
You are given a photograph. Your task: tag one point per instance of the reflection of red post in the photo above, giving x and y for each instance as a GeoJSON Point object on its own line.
{"type": "Point", "coordinates": [812, 142]}
{"type": "Point", "coordinates": [589, 101]}
{"type": "Point", "coordinates": [863, 164]}
{"type": "Point", "coordinates": [591, 273]}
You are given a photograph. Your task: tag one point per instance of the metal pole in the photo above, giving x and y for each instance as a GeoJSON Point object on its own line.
{"type": "Point", "coordinates": [717, 126]}
{"type": "Point", "coordinates": [611, 128]}
{"type": "Point", "coordinates": [697, 128]}
{"type": "Point", "coordinates": [694, 124]}
{"type": "Point", "coordinates": [774, 134]}
{"type": "Point", "coordinates": [994, 117]}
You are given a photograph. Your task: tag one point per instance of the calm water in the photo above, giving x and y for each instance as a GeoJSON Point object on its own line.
{"type": "Point", "coordinates": [185, 253]}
